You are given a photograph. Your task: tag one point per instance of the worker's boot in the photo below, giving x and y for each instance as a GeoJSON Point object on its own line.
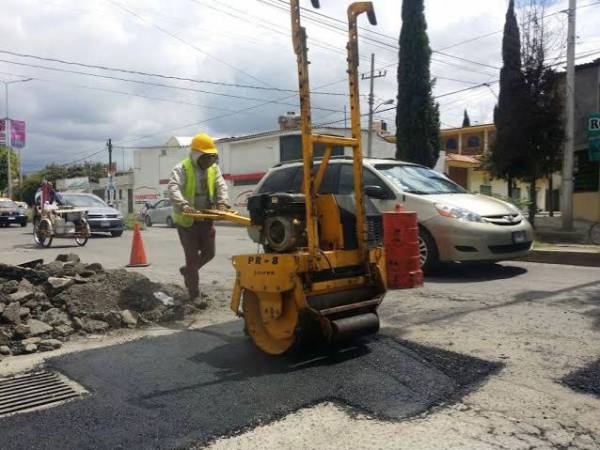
{"type": "Point", "coordinates": [183, 272]}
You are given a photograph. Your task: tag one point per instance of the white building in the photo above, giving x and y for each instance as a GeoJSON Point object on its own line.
{"type": "Point", "coordinates": [243, 160]}
{"type": "Point", "coordinates": [152, 166]}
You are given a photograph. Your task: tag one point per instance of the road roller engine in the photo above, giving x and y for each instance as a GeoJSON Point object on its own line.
{"type": "Point", "coordinates": [322, 276]}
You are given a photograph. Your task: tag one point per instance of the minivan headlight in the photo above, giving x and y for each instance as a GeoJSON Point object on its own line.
{"type": "Point", "coordinates": [456, 212]}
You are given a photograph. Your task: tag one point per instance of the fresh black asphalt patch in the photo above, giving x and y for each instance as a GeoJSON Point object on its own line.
{"type": "Point", "coordinates": [192, 387]}
{"type": "Point", "coordinates": [586, 379]}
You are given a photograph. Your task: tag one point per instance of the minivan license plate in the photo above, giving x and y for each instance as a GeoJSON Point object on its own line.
{"type": "Point", "coordinates": [105, 224]}
{"type": "Point", "coordinates": [519, 237]}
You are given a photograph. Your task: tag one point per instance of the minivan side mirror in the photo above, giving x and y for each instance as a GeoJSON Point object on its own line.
{"type": "Point", "coordinates": [376, 192]}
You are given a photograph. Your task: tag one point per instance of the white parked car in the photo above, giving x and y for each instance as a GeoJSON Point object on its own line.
{"type": "Point", "coordinates": [454, 225]}
{"type": "Point", "coordinates": [160, 212]}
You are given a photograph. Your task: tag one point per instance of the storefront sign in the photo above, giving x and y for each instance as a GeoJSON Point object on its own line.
{"type": "Point", "coordinates": [593, 132]}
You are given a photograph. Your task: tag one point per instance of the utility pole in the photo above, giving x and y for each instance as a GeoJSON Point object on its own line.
{"type": "Point", "coordinates": [109, 184]}
{"type": "Point", "coordinates": [7, 143]}
{"type": "Point", "coordinates": [372, 101]}
{"type": "Point", "coordinates": [567, 175]}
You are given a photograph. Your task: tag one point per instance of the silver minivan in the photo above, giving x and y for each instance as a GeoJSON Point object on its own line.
{"type": "Point", "coordinates": [160, 212]}
{"type": "Point", "coordinates": [454, 225]}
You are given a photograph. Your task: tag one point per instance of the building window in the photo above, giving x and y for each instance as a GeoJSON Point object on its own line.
{"type": "Point", "coordinates": [473, 141]}
{"type": "Point", "coordinates": [120, 194]}
{"type": "Point", "coordinates": [163, 152]}
{"type": "Point", "coordinates": [451, 144]}
{"type": "Point", "coordinates": [485, 189]}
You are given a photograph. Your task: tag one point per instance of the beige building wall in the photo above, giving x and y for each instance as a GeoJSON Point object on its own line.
{"type": "Point", "coordinates": [586, 206]}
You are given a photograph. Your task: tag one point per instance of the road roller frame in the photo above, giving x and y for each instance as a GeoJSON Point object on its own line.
{"type": "Point", "coordinates": [322, 290]}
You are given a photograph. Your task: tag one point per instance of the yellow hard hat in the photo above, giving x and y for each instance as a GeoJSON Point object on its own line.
{"type": "Point", "coordinates": [203, 143]}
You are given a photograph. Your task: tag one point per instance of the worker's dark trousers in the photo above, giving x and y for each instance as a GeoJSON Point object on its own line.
{"type": "Point", "coordinates": [198, 242]}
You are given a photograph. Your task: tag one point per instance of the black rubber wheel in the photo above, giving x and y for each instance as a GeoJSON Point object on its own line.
{"type": "Point", "coordinates": [116, 233]}
{"type": "Point", "coordinates": [148, 221]}
{"type": "Point", "coordinates": [428, 251]}
{"type": "Point", "coordinates": [23, 224]}
{"type": "Point", "coordinates": [41, 233]}
{"type": "Point", "coordinates": [170, 222]}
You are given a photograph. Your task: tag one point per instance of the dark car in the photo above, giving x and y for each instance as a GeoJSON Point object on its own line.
{"type": "Point", "coordinates": [11, 213]}
{"type": "Point", "coordinates": [101, 217]}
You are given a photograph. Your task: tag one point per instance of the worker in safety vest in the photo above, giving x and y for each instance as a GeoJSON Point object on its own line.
{"type": "Point", "coordinates": [196, 183]}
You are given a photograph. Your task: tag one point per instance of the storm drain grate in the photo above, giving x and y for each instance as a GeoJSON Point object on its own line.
{"type": "Point", "coordinates": [35, 390]}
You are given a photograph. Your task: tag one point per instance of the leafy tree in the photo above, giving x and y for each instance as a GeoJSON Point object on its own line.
{"type": "Point", "coordinates": [466, 120]}
{"type": "Point", "coordinates": [544, 130]}
{"type": "Point", "coordinates": [417, 115]}
{"type": "Point", "coordinates": [507, 157]}
{"type": "Point", "coordinates": [14, 167]}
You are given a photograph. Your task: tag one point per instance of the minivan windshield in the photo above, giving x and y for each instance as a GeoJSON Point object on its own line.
{"type": "Point", "coordinates": [419, 180]}
{"type": "Point", "coordinates": [84, 201]}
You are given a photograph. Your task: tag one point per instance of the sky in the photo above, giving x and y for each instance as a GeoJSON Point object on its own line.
{"type": "Point", "coordinates": [240, 57]}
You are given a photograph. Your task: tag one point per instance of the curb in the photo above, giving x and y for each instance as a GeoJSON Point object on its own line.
{"type": "Point", "coordinates": [569, 258]}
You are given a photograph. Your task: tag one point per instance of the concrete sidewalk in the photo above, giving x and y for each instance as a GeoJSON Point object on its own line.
{"type": "Point", "coordinates": [568, 254]}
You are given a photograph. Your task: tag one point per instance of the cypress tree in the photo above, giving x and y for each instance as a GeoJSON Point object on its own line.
{"type": "Point", "coordinates": [466, 120]}
{"type": "Point", "coordinates": [417, 114]}
{"type": "Point", "coordinates": [507, 158]}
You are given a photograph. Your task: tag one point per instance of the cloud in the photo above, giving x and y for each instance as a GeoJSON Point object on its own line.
{"type": "Point", "coordinates": [240, 41]}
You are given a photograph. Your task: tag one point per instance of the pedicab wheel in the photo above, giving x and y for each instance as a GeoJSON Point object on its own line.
{"type": "Point", "coordinates": [42, 234]}
{"type": "Point", "coordinates": [81, 240]}
{"type": "Point", "coordinates": [82, 234]}
{"type": "Point", "coordinates": [270, 320]}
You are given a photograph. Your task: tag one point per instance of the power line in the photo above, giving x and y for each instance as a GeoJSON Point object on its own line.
{"type": "Point", "coordinates": [149, 83]}
{"type": "Point", "coordinates": [149, 74]}
{"type": "Point", "coordinates": [183, 41]}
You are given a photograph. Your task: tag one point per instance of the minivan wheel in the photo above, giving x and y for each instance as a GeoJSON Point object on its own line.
{"type": "Point", "coordinates": [148, 221]}
{"type": "Point", "coordinates": [428, 252]}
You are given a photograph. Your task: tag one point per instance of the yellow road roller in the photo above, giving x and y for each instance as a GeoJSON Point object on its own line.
{"type": "Point", "coordinates": [322, 276]}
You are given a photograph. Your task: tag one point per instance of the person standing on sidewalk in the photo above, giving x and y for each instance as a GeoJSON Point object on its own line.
{"type": "Point", "coordinates": [196, 183]}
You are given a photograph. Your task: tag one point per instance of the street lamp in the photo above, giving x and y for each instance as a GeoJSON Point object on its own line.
{"type": "Point", "coordinates": [370, 136]}
{"type": "Point", "coordinates": [8, 141]}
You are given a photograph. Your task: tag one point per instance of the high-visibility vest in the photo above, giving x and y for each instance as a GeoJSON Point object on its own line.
{"type": "Point", "coordinates": [189, 190]}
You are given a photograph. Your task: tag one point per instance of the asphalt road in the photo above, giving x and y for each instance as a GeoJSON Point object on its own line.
{"type": "Point", "coordinates": [187, 388]}
{"type": "Point", "coordinates": [541, 322]}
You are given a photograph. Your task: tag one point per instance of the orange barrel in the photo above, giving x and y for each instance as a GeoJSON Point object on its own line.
{"type": "Point", "coordinates": [401, 243]}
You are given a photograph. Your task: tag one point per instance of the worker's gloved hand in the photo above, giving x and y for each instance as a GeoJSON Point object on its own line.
{"type": "Point", "coordinates": [188, 209]}
{"type": "Point", "coordinates": [222, 207]}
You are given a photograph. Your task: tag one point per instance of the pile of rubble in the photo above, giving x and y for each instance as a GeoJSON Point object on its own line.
{"type": "Point", "coordinates": [42, 305]}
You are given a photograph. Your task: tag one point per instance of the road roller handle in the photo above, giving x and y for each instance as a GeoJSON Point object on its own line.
{"type": "Point", "coordinates": [218, 215]}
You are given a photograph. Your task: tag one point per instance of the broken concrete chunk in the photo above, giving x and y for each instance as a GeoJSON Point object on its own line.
{"type": "Point", "coordinates": [31, 340]}
{"type": "Point", "coordinates": [30, 348]}
{"type": "Point", "coordinates": [95, 267]}
{"type": "Point", "coordinates": [10, 287]}
{"type": "Point", "coordinates": [12, 313]}
{"type": "Point", "coordinates": [54, 268]}
{"type": "Point", "coordinates": [58, 284]}
{"type": "Point", "coordinates": [128, 318]}
{"type": "Point", "coordinates": [5, 350]}
{"type": "Point", "coordinates": [37, 327]}
{"type": "Point", "coordinates": [91, 325]}
{"type": "Point", "coordinates": [63, 330]}
{"type": "Point", "coordinates": [19, 273]}
{"type": "Point", "coordinates": [164, 298]}
{"type": "Point", "coordinates": [49, 344]}
{"type": "Point", "coordinates": [68, 257]}
{"type": "Point", "coordinates": [22, 331]}
{"type": "Point", "coordinates": [2, 306]}
{"type": "Point", "coordinates": [6, 336]}
{"type": "Point", "coordinates": [56, 317]}
{"type": "Point", "coordinates": [24, 312]}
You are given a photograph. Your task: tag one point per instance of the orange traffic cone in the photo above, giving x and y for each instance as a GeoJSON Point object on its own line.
{"type": "Point", "coordinates": [138, 254]}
